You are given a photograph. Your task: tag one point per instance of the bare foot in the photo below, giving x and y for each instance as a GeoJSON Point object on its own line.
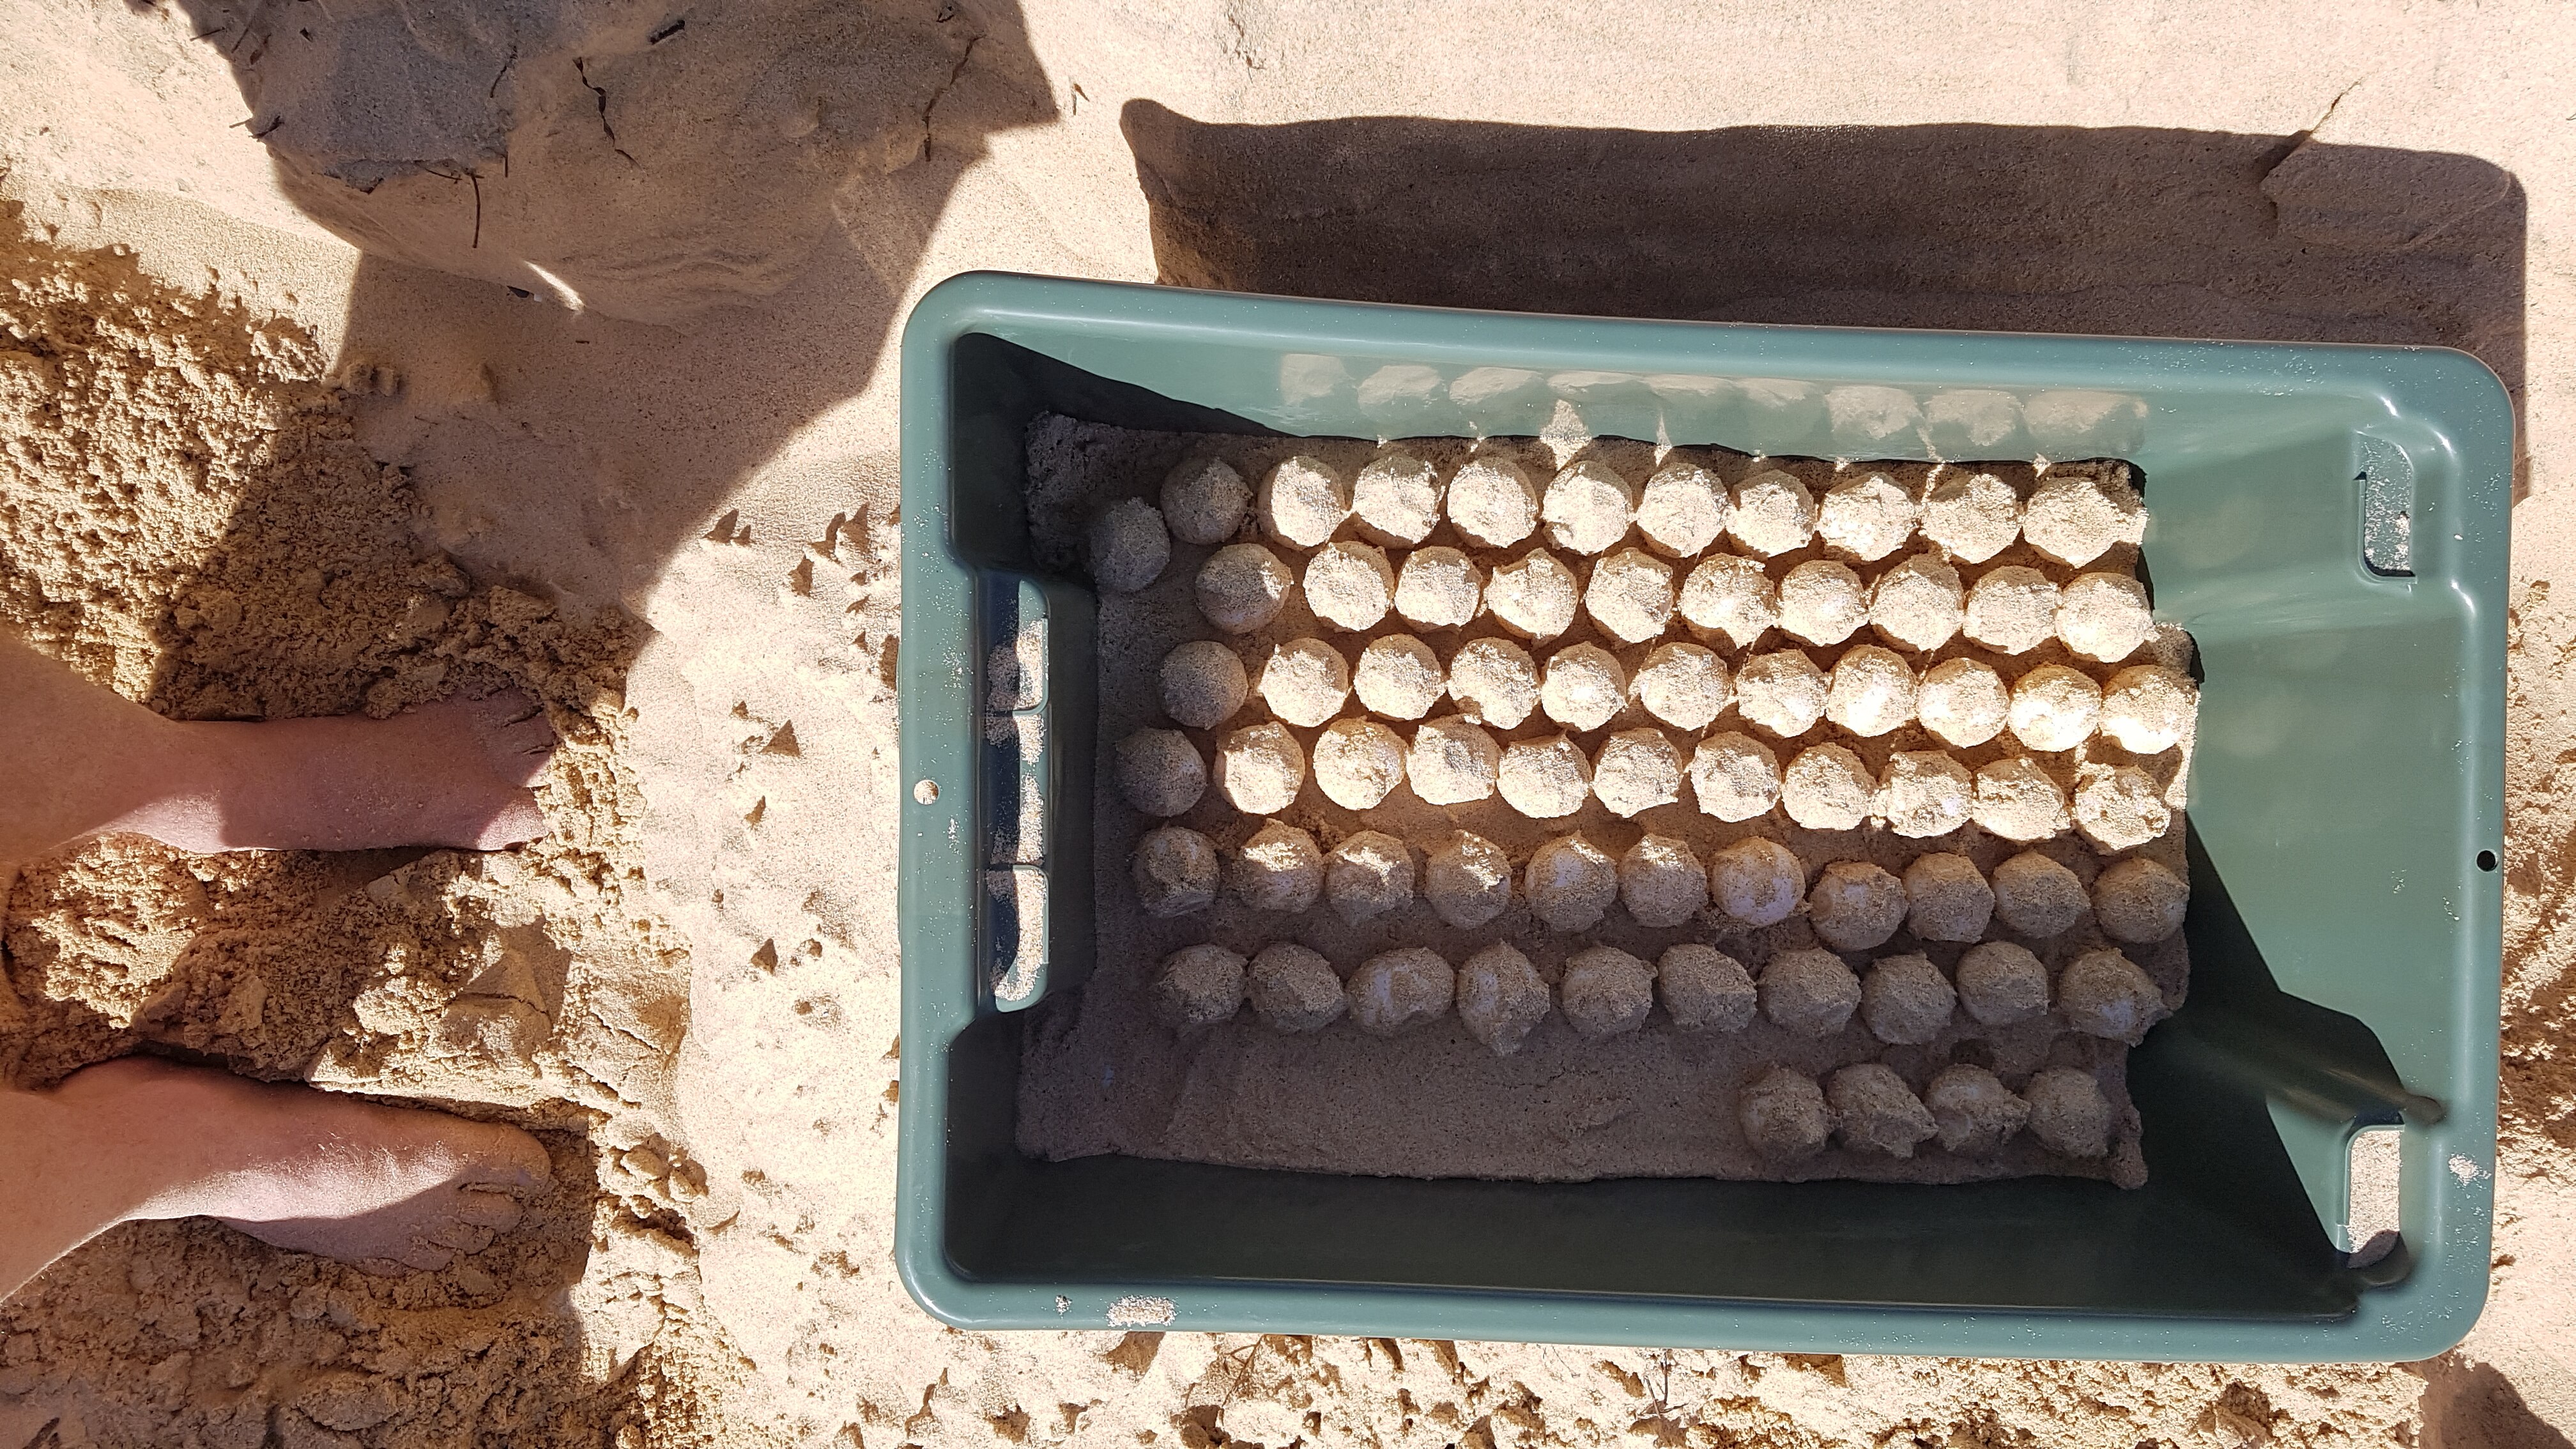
{"type": "Point", "coordinates": [385, 1188]}
{"type": "Point", "coordinates": [453, 773]}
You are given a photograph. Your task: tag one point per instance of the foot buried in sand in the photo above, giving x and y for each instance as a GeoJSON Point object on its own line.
{"type": "Point", "coordinates": [454, 773]}
{"type": "Point", "coordinates": [387, 1189]}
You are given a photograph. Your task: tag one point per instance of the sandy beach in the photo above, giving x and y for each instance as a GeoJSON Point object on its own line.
{"type": "Point", "coordinates": [364, 354]}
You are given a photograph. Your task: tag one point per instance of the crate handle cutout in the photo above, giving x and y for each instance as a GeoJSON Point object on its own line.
{"type": "Point", "coordinates": [1018, 758]}
{"type": "Point", "coordinates": [2373, 1167]}
{"type": "Point", "coordinates": [2387, 479]}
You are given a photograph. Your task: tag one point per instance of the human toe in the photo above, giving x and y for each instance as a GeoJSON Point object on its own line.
{"type": "Point", "coordinates": [510, 1162]}
{"type": "Point", "coordinates": [424, 1256]}
{"type": "Point", "coordinates": [462, 1236]}
{"type": "Point", "coordinates": [523, 748]}
{"type": "Point", "coordinates": [514, 823]}
{"type": "Point", "coordinates": [483, 1208]}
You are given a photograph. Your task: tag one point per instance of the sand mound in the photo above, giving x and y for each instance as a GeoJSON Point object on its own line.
{"type": "Point", "coordinates": [514, 145]}
{"type": "Point", "coordinates": [192, 523]}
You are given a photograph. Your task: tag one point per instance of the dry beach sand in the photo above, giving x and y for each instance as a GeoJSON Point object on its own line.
{"type": "Point", "coordinates": [297, 443]}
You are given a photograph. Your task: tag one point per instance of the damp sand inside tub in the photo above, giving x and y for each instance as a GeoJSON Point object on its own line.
{"type": "Point", "coordinates": [1105, 1072]}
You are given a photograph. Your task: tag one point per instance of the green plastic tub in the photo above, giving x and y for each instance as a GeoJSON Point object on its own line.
{"type": "Point", "coordinates": [2329, 522]}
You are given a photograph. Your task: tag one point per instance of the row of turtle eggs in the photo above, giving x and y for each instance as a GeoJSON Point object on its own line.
{"type": "Point", "coordinates": [1918, 605]}
{"type": "Point", "coordinates": [1261, 769]}
{"type": "Point", "coordinates": [1869, 692]}
{"type": "Point", "coordinates": [1570, 885]}
{"type": "Point", "coordinates": [1590, 508]}
{"type": "Point", "coordinates": [1605, 992]}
